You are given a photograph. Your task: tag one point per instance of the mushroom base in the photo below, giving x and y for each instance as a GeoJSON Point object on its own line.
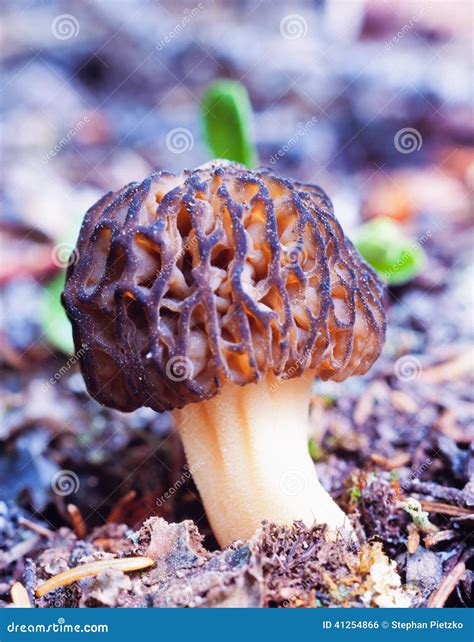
{"type": "Point", "coordinates": [248, 453]}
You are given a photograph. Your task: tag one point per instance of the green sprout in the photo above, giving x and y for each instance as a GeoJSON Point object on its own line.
{"type": "Point", "coordinates": [228, 122]}
{"type": "Point", "coordinates": [395, 257]}
{"type": "Point", "coordinates": [56, 326]}
{"type": "Point", "coordinates": [228, 126]}
{"type": "Point", "coordinates": [419, 516]}
{"type": "Point", "coordinates": [315, 450]}
{"type": "Point", "coordinates": [355, 493]}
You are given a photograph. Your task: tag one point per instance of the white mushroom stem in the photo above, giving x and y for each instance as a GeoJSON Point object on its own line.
{"type": "Point", "coordinates": [247, 450]}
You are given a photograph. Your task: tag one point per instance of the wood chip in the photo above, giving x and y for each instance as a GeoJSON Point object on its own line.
{"type": "Point", "coordinates": [399, 460]}
{"type": "Point", "coordinates": [376, 391]}
{"type": "Point", "coordinates": [108, 544]}
{"type": "Point", "coordinates": [447, 586]}
{"type": "Point", "coordinates": [20, 597]}
{"type": "Point", "coordinates": [449, 425]}
{"type": "Point", "coordinates": [444, 509]}
{"type": "Point", "coordinates": [450, 370]}
{"type": "Point", "coordinates": [403, 402]}
{"type": "Point", "coordinates": [441, 536]}
{"type": "Point", "coordinates": [126, 565]}
{"type": "Point", "coordinates": [363, 408]}
{"type": "Point", "coordinates": [77, 521]}
{"type": "Point", "coordinates": [413, 541]}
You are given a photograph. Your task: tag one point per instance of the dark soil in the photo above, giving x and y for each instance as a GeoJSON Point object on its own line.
{"type": "Point", "coordinates": [82, 483]}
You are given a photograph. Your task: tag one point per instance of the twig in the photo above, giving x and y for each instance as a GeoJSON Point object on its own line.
{"type": "Point", "coordinates": [450, 426]}
{"type": "Point", "coordinates": [450, 370]}
{"type": "Point", "coordinates": [399, 460]}
{"type": "Point", "coordinates": [442, 536]}
{"type": "Point", "coordinates": [77, 521]}
{"type": "Point", "coordinates": [403, 402]}
{"type": "Point", "coordinates": [19, 550]}
{"type": "Point", "coordinates": [126, 565]}
{"type": "Point", "coordinates": [36, 263]}
{"type": "Point", "coordinates": [447, 586]}
{"type": "Point", "coordinates": [119, 508]}
{"type": "Point", "coordinates": [435, 490]}
{"type": "Point", "coordinates": [36, 528]}
{"type": "Point", "coordinates": [444, 509]}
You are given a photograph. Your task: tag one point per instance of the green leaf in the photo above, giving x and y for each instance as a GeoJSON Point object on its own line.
{"type": "Point", "coordinates": [228, 122]}
{"type": "Point", "coordinates": [315, 450]}
{"type": "Point", "coordinates": [56, 326]}
{"type": "Point", "coordinates": [396, 258]}
{"type": "Point", "coordinates": [355, 493]}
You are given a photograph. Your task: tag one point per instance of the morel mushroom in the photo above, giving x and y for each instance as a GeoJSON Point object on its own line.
{"type": "Point", "coordinates": [220, 294]}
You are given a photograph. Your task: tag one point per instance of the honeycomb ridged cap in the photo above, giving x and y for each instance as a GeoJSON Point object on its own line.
{"type": "Point", "coordinates": [183, 283]}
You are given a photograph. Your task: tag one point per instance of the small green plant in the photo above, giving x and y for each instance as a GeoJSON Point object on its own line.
{"type": "Point", "coordinates": [315, 450]}
{"type": "Point", "coordinates": [395, 257]}
{"type": "Point", "coordinates": [56, 326]}
{"type": "Point", "coordinates": [228, 127]}
{"type": "Point", "coordinates": [419, 516]}
{"type": "Point", "coordinates": [228, 122]}
{"type": "Point", "coordinates": [355, 493]}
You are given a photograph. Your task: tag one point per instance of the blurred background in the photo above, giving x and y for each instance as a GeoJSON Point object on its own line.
{"type": "Point", "coordinates": [93, 88]}
{"type": "Point", "coordinates": [370, 99]}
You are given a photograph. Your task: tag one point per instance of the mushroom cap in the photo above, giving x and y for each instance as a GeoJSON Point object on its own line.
{"type": "Point", "coordinates": [221, 274]}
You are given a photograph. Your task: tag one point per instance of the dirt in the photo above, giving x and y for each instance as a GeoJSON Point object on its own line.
{"type": "Point", "coordinates": [404, 432]}
{"type": "Point", "coordinates": [376, 442]}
